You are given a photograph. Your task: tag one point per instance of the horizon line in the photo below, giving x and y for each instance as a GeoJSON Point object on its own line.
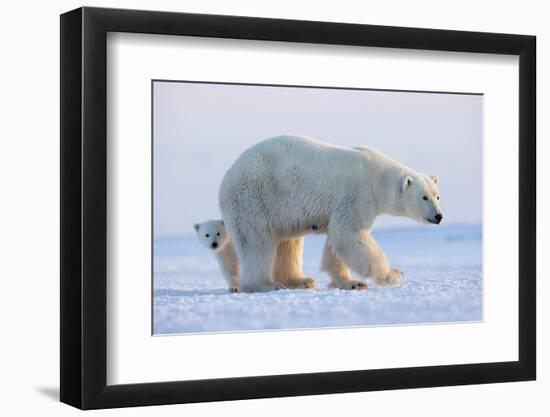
{"type": "Point", "coordinates": [382, 228]}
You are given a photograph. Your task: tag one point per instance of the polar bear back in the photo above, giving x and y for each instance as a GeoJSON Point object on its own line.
{"type": "Point", "coordinates": [295, 182]}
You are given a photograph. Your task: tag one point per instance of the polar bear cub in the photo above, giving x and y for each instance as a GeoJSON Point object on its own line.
{"type": "Point", "coordinates": [212, 235]}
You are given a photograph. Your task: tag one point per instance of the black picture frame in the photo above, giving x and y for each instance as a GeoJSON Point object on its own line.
{"type": "Point", "coordinates": [84, 207]}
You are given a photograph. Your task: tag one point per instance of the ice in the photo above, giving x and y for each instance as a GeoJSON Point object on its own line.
{"type": "Point", "coordinates": [442, 283]}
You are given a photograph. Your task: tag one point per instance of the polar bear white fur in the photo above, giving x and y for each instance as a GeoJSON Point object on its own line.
{"type": "Point", "coordinates": [285, 187]}
{"type": "Point", "coordinates": [212, 235]}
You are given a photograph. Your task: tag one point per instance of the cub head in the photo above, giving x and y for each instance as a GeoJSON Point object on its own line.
{"type": "Point", "coordinates": [212, 234]}
{"type": "Point", "coordinates": [419, 196]}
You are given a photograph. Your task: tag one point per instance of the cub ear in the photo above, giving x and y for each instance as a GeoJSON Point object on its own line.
{"type": "Point", "coordinates": [407, 181]}
{"type": "Point", "coordinates": [196, 226]}
{"type": "Point", "coordinates": [435, 179]}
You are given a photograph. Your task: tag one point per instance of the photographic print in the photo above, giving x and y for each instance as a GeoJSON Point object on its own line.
{"type": "Point", "coordinates": [253, 183]}
{"type": "Point", "coordinates": [290, 207]}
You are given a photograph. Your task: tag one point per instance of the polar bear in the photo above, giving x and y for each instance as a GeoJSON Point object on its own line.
{"type": "Point", "coordinates": [213, 235]}
{"type": "Point", "coordinates": [285, 187]}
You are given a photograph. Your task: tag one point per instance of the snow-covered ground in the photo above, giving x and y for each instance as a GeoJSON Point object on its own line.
{"type": "Point", "coordinates": [443, 283]}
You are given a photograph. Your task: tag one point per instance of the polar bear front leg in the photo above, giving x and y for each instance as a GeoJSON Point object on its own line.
{"type": "Point", "coordinates": [229, 265]}
{"type": "Point", "coordinates": [361, 253]}
{"type": "Point", "coordinates": [392, 278]}
{"type": "Point", "coordinates": [287, 268]}
{"type": "Point", "coordinates": [339, 271]}
{"type": "Point", "coordinates": [231, 276]}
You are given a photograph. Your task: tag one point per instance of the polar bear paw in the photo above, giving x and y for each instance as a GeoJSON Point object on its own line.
{"type": "Point", "coordinates": [393, 278]}
{"type": "Point", "coordinates": [349, 285]}
{"type": "Point", "coordinates": [263, 286]}
{"type": "Point", "coordinates": [301, 283]}
{"type": "Point", "coordinates": [355, 285]}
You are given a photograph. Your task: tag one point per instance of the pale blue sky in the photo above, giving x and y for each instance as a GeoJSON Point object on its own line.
{"type": "Point", "coordinates": [200, 129]}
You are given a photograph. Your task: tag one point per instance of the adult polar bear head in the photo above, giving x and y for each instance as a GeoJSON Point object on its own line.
{"type": "Point", "coordinates": [413, 195]}
{"type": "Point", "coordinates": [420, 198]}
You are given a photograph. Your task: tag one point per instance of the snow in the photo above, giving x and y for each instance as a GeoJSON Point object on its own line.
{"type": "Point", "coordinates": [442, 283]}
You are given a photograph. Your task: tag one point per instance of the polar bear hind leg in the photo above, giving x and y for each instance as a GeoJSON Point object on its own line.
{"type": "Point", "coordinates": [287, 269]}
{"type": "Point", "coordinates": [256, 264]}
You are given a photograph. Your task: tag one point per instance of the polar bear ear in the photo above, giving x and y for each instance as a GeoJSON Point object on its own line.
{"type": "Point", "coordinates": [223, 224]}
{"type": "Point", "coordinates": [435, 179]}
{"type": "Point", "coordinates": [196, 226]}
{"type": "Point", "coordinates": [407, 181]}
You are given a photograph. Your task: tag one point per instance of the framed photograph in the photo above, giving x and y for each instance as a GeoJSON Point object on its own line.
{"type": "Point", "coordinates": [257, 208]}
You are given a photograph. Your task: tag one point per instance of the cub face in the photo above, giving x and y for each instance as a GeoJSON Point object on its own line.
{"type": "Point", "coordinates": [212, 234]}
{"type": "Point", "coordinates": [420, 198]}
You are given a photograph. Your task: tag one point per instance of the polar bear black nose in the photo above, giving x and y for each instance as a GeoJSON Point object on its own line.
{"type": "Point", "coordinates": [214, 244]}
{"type": "Point", "coordinates": [439, 217]}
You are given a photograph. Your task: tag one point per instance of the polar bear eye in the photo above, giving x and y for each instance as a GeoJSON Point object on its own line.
{"type": "Point", "coordinates": [207, 235]}
{"type": "Point", "coordinates": [424, 198]}
{"type": "Point", "coordinates": [219, 232]}
{"type": "Point", "coordinates": [437, 197]}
